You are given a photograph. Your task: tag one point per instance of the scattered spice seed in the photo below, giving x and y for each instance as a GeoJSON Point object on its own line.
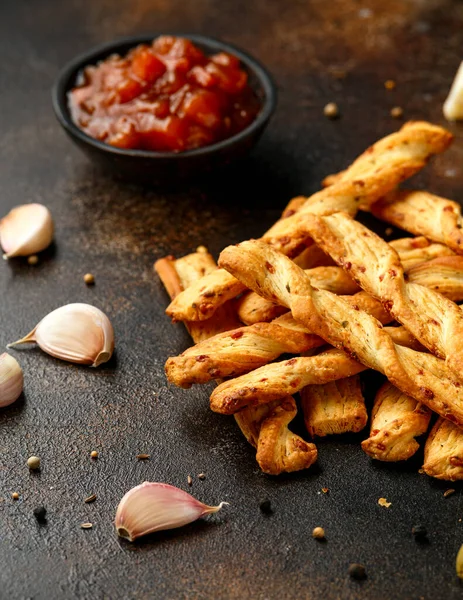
{"type": "Point", "coordinates": [331, 110]}
{"type": "Point", "coordinates": [449, 492]}
{"type": "Point", "coordinates": [40, 513]}
{"type": "Point", "coordinates": [419, 532]}
{"type": "Point", "coordinates": [143, 456]}
{"type": "Point", "coordinates": [357, 571]}
{"type": "Point", "coordinates": [318, 533]}
{"type": "Point", "coordinates": [190, 480]}
{"type": "Point", "coordinates": [201, 476]}
{"type": "Point", "coordinates": [33, 260]}
{"type": "Point", "coordinates": [389, 231]}
{"type": "Point", "coordinates": [89, 279]}
{"type": "Point", "coordinates": [325, 490]}
{"type": "Point", "coordinates": [384, 502]}
{"type": "Point", "coordinates": [390, 84]}
{"type": "Point", "coordinates": [86, 525]}
{"type": "Point", "coordinates": [94, 454]}
{"type": "Point", "coordinates": [459, 563]}
{"type": "Point", "coordinates": [33, 462]}
{"type": "Point", "coordinates": [91, 498]}
{"type": "Point", "coordinates": [397, 112]}
{"type": "Point", "coordinates": [15, 496]}
{"type": "Point", "coordinates": [201, 249]}
{"type": "Point", "coordinates": [266, 507]}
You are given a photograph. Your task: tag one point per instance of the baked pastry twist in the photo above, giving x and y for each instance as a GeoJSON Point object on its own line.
{"type": "Point", "coordinates": [434, 320]}
{"type": "Point", "coordinates": [278, 449]}
{"type": "Point", "coordinates": [425, 214]}
{"type": "Point", "coordinates": [252, 308]}
{"type": "Point", "coordinates": [377, 171]}
{"type": "Point", "coordinates": [443, 451]}
{"type": "Point", "coordinates": [246, 348]}
{"type": "Point", "coordinates": [274, 380]}
{"type": "Point", "coordinates": [333, 408]}
{"type": "Point", "coordinates": [396, 420]}
{"type": "Point", "coordinates": [422, 376]}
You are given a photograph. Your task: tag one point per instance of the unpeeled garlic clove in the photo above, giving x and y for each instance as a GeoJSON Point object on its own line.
{"type": "Point", "coordinates": [78, 333]}
{"type": "Point", "coordinates": [11, 379]}
{"type": "Point", "coordinates": [26, 230]}
{"type": "Point", "coordinates": [153, 507]}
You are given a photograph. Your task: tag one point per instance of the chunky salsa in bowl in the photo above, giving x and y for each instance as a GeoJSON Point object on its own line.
{"type": "Point", "coordinates": [168, 95]}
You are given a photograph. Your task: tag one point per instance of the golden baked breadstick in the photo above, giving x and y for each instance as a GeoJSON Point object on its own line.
{"type": "Point", "coordinates": [278, 449]}
{"type": "Point", "coordinates": [178, 274]}
{"type": "Point", "coordinates": [434, 320]}
{"type": "Point", "coordinates": [383, 166]}
{"type": "Point", "coordinates": [425, 214]}
{"type": "Point", "coordinates": [252, 308]}
{"type": "Point", "coordinates": [336, 407]}
{"type": "Point", "coordinates": [247, 348]}
{"type": "Point", "coordinates": [274, 380]}
{"type": "Point", "coordinates": [443, 451]}
{"type": "Point", "coordinates": [396, 420]}
{"type": "Point", "coordinates": [422, 376]}
{"type": "Point", "coordinates": [235, 352]}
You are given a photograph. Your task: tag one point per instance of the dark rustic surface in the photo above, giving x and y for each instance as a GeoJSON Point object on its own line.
{"type": "Point", "coordinates": [116, 231]}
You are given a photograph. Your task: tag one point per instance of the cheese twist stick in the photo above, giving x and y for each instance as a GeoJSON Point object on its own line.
{"type": "Point", "coordinates": [246, 348]}
{"type": "Point", "coordinates": [434, 320]}
{"type": "Point", "coordinates": [252, 308]}
{"type": "Point", "coordinates": [422, 376]}
{"type": "Point", "coordinates": [382, 167]}
{"type": "Point", "coordinates": [443, 451]}
{"type": "Point", "coordinates": [266, 427]}
{"type": "Point", "coordinates": [396, 420]}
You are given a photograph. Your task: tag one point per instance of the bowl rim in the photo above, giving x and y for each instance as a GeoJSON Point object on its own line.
{"type": "Point", "coordinates": [65, 76]}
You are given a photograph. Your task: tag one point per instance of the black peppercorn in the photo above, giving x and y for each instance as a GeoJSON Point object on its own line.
{"type": "Point", "coordinates": [266, 507]}
{"type": "Point", "coordinates": [40, 513]}
{"type": "Point", "coordinates": [419, 532]}
{"type": "Point", "coordinates": [357, 571]}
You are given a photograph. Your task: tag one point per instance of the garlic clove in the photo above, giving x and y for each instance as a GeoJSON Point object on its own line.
{"type": "Point", "coordinates": [26, 230]}
{"type": "Point", "coordinates": [77, 333]}
{"type": "Point", "coordinates": [151, 507]}
{"type": "Point", "coordinates": [11, 380]}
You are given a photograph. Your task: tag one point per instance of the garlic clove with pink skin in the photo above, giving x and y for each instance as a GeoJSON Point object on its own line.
{"type": "Point", "coordinates": [151, 507]}
{"type": "Point", "coordinates": [11, 380]}
{"type": "Point", "coordinates": [26, 229]}
{"type": "Point", "coordinates": [77, 333]}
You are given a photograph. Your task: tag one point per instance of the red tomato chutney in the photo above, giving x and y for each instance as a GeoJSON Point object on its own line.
{"type": "Point", "coordinates": [167, 96]}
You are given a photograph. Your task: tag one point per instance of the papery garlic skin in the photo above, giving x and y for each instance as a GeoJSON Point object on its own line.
{"type": "Point", "coordinates": [78, 333]}
{"type": "Point", "coordinates": [151, 507]}
{"type": "Point", "coordinates": [26, 229]}
{"type": "Point", "coordinates": [11, 380]}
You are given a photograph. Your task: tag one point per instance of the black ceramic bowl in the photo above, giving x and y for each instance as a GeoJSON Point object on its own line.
{"type": "Point", "coordinates": [164, 167]}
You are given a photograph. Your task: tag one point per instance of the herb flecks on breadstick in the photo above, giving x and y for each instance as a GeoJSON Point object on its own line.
{"type": "Point", "coordinates": [435, 321]}
{"type": "Point", "coordinates": [422, 376]}
{"type": "Point", "coordinates": [396, 420]}
{"type": "Point", "coordinates": [375, 173]}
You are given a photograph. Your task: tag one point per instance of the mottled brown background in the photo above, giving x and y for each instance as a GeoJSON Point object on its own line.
{"type": "Point", "coordinates": [116, 231]}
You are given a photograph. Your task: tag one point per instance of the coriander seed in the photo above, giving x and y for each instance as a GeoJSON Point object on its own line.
{"type": "Point", "coordinates": [397, 112]}
{"type": "Point", "coordinates": [318, 533]}
{"type": "Point", "coordinates": [89, 279]}
{"type": "Point", "coordinates": [94, 454]}
{"type": "Point", "coordinates": [33, 462]}
{"type": "Point", "coordinates": [419, 532]}
{"type": "Point", "coordinates": [390, 84]}
{"type": "Point", "coordinates": [331, 110]}
{"type": "Point", "coordinates": [266, 507]}
{"type": "Point", "coordinates": [15, 496]}
{"type": "Point", "coordinates": [33, 260]}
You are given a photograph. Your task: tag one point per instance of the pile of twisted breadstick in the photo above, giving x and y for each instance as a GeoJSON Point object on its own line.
{"type": "Point", "coordinates": [324, 288]}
